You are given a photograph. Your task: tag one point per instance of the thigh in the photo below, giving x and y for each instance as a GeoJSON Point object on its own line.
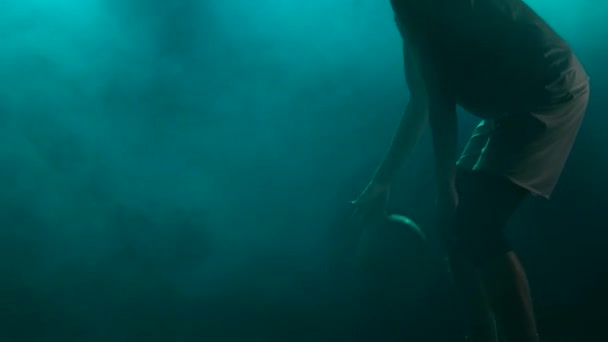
{"type": "Point", "coordinates": [486, 202]}
{"type": "Point", "coordinates": [531, 149]}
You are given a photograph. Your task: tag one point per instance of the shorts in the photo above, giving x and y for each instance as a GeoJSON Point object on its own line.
{"type": "Point", "coordinates": [530, 149]}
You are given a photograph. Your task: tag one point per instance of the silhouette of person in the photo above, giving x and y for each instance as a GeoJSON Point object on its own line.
{"type": "Point", "coordinates": [500, 61]}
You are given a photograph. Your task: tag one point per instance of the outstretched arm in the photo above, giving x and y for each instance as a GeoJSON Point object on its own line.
{"type": "Point", "coordinates": [411, 126]}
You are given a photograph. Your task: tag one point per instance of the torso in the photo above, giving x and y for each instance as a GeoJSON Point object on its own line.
{"type": "Point", "coordinates": [493, 56]}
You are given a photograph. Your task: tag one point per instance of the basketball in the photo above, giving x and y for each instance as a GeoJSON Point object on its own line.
{"type": "Point", "coordinates": [392, 251]}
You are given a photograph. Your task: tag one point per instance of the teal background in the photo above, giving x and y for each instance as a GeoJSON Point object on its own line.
{"type": "Point", "coordinates": [182, 172]}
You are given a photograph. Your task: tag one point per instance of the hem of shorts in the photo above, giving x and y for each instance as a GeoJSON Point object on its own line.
{"type": "Point", "coordinates": [532, 191]}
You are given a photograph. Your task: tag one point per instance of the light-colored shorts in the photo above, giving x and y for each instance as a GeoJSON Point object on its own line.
{"type": "Point", "coordinates": [529, 149]}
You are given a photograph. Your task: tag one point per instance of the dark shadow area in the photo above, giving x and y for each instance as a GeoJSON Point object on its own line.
{"type": "Point", "coordinates": [182, 171]}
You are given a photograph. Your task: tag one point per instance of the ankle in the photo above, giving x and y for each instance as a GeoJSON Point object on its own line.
{"type": "Point", "coordinates": [479, 338]}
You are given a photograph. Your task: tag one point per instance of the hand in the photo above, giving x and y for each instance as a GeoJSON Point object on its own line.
{"type": "Point", "coordinates": [372, 202]}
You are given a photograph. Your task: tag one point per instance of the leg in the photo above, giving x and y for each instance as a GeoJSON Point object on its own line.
{"type": "Point", "coordinates": [476, 242]}
{"type": "Point", "coordinates": [481, 324]}
{"type": "Point", "coordinates": [507, 285]}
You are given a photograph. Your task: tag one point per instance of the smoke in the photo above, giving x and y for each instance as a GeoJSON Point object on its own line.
{"type": "Point", "coordinates": [157, 153]}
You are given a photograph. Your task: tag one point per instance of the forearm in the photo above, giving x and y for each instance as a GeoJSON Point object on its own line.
{"type": "Point", "coordinates": [444, 126]}
{"type": "Point", "coordinates": [405, 139]}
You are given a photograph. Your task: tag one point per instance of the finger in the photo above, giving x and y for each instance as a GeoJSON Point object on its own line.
{"type": "Point", "coordinates": [359, 214]}
{"type": "Point", "coordinates": [356, 210]}
{"type": "Point", "coordinates": [360, 202]}
{"type": "Point", "coordinates": [364, 214]}
{"type": "Point", "coordinates": [355, 214]}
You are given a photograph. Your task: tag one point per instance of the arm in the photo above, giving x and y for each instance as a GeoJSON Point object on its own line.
{"type": "Point", "coordinates": [444, 127]}
{"type": "Point", "coordinates": [411, 126]}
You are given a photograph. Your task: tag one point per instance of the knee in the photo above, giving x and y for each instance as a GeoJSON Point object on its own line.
{"type": "Point", "coordinates": [477, 241]}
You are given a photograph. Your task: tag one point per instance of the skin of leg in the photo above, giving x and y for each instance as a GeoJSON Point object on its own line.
{"type": "Point", "coordinates": [480, 320]}
{"type": "Point", "coordinates": [479, 250]}
{"type": "Point", "coordinates": [507, 284]}
{"type": "Point", "coordinates": [481, 324]}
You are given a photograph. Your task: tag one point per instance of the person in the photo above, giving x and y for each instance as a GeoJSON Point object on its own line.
{"type": "Point", "coordinates": [500, 61]}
